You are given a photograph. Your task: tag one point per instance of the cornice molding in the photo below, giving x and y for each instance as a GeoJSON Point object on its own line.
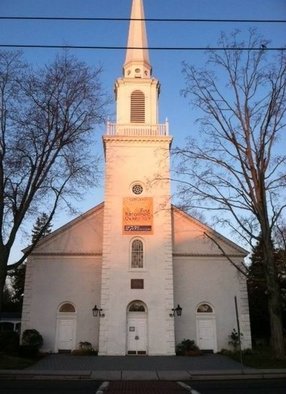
{"type": "Point", "coordinates": [204, 255]}
{"type": "Point", "coordinates": [136, 139]}
{"type": "Point", "coordinates": [63, 254]}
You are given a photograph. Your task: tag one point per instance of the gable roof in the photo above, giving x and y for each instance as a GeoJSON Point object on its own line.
{"type": "Point", "coordinates": [82, 235]}
{"type": "Point", "coordinates": [192, 237]}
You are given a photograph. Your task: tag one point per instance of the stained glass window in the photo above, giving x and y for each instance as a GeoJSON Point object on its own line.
{"type": "Point", "coordinates": [137, 254]}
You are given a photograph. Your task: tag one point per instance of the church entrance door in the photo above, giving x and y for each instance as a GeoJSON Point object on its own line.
{"type": "Point", "coordinates": [206, 334]}
{"type": "Point", "coordinates": [206, 327]}
{"type": "Point", "coordinates": [66, 330]}
{"type": "Point", "coordinates": [137, 328]}
{"type": "Point", "coordinates": [66, 327]}
{"type": "Point", "coordinates": [137, 338]}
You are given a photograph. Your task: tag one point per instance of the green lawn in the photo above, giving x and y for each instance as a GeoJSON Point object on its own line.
{"type": "Point", "coordinates": [261, 358]}
{"type": "Point", "coordinates": [15, 362]}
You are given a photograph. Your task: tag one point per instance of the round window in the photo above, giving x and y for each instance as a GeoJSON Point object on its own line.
{"type": "Point", "coordinates": [137, 189]}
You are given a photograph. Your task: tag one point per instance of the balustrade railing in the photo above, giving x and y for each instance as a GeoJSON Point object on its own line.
{"type": "Point", "coordinates": [137, 130]}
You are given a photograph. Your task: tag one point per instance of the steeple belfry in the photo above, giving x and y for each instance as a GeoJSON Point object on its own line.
{"type": "Point", "coordinates": [137, 63]}
{"type": "Point", "coordinates": [137, 92]}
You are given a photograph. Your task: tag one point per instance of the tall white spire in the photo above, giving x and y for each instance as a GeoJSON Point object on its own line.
{"type": "Point", "coordinates": [137, 63]}
{"type": "Point", "coordinates": [137, 91]}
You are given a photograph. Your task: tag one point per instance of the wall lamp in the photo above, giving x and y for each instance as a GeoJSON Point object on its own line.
{"type": "Point", "coordinates": [176, 311]}
{"type": "Point", "coordinates": [97, 311]}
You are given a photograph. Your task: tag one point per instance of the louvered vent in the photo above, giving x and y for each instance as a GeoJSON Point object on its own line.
{"type": "Point", "coordinates": [137, 107]}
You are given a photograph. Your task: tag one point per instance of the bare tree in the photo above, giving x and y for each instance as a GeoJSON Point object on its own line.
{"type": "Point", "coordinates": [46, 121]}
{"type": "Point", "coordinates": [236, 166]}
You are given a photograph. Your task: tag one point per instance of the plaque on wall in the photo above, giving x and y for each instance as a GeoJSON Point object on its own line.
{"type": "Point", "coordinates": [137, 283]}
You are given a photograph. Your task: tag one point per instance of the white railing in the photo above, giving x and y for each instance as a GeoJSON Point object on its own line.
{"type": "Point", "coordinates": [137, 130]}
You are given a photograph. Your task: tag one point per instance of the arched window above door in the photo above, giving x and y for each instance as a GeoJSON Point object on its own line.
{"type": "Point", "coordinates": [137, 306]}
{"type": "Point", "coordinates": [67, 308]}
{"type": "Point", "coordinates": [204, 308]}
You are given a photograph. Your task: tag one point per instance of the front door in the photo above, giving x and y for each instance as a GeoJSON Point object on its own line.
{"type": "Point", "coordinates": [66, 334]}
{"type": "Point", "coordinates": [137, 335]}
{"type": "Point", "coordinates": [206, 334]}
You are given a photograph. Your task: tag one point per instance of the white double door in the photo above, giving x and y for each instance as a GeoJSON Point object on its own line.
{"type": "Point", "coordinates": [137, 334]}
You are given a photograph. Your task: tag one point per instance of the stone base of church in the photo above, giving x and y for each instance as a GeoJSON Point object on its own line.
{"type": "Point", "coordinates": [137, 355]}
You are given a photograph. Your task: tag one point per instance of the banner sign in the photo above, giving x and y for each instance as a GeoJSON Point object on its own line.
{"type": "Point", "coordinates": [138, 215]}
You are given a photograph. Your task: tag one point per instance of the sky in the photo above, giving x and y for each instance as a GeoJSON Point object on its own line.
{"type": "Point", "coordinates": [167, 65]}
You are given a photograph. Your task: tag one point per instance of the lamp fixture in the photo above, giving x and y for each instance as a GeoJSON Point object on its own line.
{"type": "Point", "coordinates": [97, 311]}
{"type": "Point", "coordinates": [176, 311]}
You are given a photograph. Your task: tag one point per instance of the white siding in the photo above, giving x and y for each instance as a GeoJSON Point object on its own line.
{"type": "Point", "coordinates": [53, 281]}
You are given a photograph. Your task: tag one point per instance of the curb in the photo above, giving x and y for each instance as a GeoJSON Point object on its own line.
{"type": "Point", "coordinates": [117, 375]}
{"type": "Point", "coordinates": [44, 375]}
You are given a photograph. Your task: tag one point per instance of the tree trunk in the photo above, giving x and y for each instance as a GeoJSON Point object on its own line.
{"type": "Point", "coordinates": [4, 256]}
{"type": "Point", "coordinates": [274, 300]}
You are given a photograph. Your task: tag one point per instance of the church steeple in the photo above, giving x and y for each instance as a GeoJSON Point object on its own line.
{"type": "Point", "coordinates": [136, 151]}
{"type": "Point", "coordinates": [137, 92]}
{"type": "Point", "coordinates": [137, 63]}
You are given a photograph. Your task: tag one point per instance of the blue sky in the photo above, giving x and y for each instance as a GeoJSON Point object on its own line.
{"type": "Point", "coordinates": [167, 66]}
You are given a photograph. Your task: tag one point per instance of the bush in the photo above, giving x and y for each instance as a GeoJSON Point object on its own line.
{"type": "Point", "coordinates": [234, 339]}
{"type": "Point", "coordinates": [187, 347]}
{"type": "Point", "coordinates": [85, 349]}
{"type": "Point", "coordinates": [32, 340]}
{"type": "Point", "coordinates": [9, 342]}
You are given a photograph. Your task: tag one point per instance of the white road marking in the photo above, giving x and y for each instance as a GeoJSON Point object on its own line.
{"type": "Point", "coordinates": [102, 388]}
{"type": "Point", "coordinates": [188, 388]}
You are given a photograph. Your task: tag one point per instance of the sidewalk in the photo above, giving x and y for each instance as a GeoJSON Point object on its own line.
{"type": "Point", "coordinates": [144, 387]}
{"type": "Point", "coordinates": [131, 368]}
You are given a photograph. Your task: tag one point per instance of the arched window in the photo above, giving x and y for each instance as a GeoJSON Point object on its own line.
{"type": "Point", "coordinates": [137, 114]}
{"type": "Point", "coordinates": [137, 254]}
{"type": "Point", "coordinates": [205, 308]}
{"type": "Point", "coordinates": [137, 306]}
{"type": "Point", "coordinates": [67, 307]}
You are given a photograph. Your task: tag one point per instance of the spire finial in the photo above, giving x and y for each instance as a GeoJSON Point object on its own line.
{"type": "Point", "coordinates": [137, 54]}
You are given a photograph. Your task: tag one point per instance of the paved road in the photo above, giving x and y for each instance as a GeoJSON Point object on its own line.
{"type": "Point", "coordinates": [240, 387]}
{"type": "Point", "coordinates": [48, 387]}
{"type": "Point", "coordinates": [90, 387]}
{"type": "Point", "coordinates": [145, 387]}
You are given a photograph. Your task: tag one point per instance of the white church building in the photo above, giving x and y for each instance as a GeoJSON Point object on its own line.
{"type": "Point", "coordinates": [150, 273]}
